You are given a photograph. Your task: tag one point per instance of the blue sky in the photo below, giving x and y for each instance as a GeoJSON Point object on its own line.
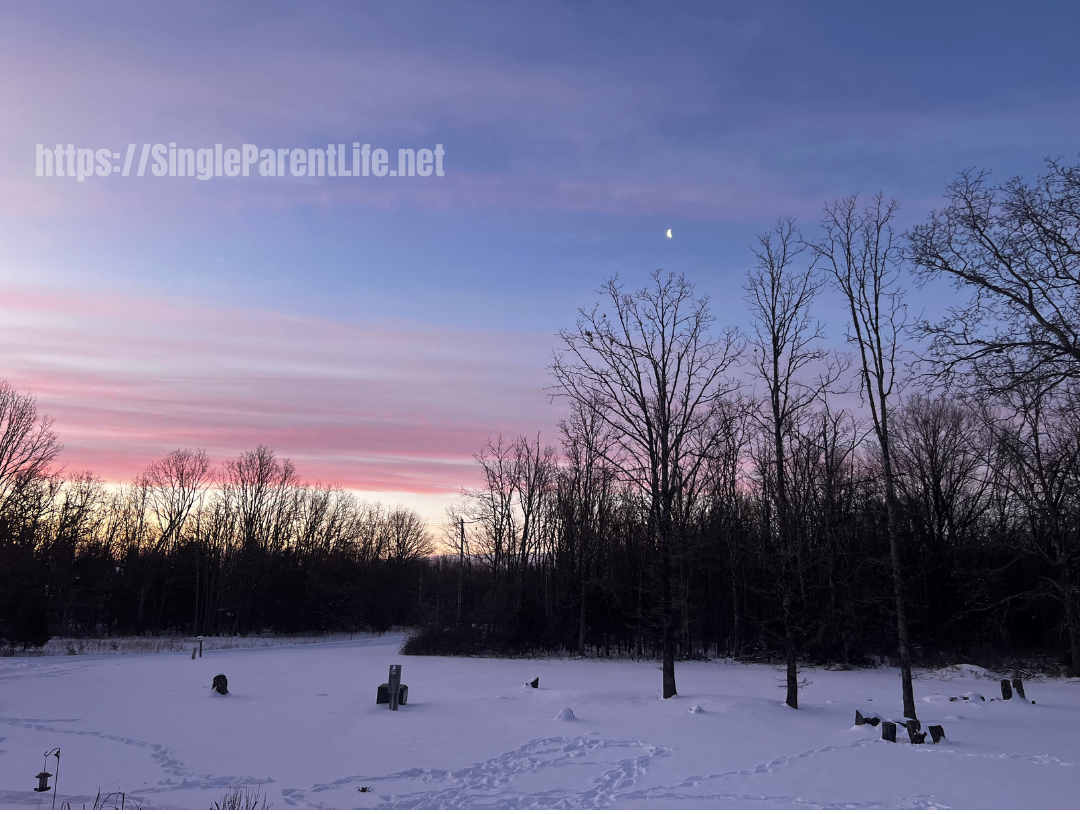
{"type": "Point", "coordinates": [575, 135]}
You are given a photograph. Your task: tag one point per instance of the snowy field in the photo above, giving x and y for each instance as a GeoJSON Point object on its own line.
{"type": "Point", "coordinates": [301, 722]}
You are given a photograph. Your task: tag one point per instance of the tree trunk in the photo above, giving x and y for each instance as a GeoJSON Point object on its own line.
{"type": "Point", "coordinates": [898, 588]}
{"type": "Point", "coordinates": [792, 699]}
{"type": "Point", "coordinates": [581, 620]}
{"type": "Point", "coordinates": [667, 636]}
{"type": "Point", "coordinates": [1072, 623]}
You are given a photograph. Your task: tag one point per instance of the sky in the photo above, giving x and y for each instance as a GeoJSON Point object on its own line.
{"type": "Point", "coordinates": [377, 330]}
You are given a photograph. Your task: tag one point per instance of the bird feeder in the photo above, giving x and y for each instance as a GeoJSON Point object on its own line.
{"type": "Point", "coordinates": [43, 776]}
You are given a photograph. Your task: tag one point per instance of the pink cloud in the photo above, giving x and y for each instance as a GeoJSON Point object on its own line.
{"type": "Point", "coordinates": [378, 407]}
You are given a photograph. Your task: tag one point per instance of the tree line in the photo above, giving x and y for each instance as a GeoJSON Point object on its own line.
{"type": "Point", "coordinates": [750, 493]}
{"type": "Point", "coordinates": [243, 549]}
{"type": "Point", "coordinates": [717, 492]}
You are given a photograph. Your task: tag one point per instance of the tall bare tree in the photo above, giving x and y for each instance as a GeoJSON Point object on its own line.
{"type": "Point", "coordinates": [861, 252]}
{"type": "Point", "coordinates": [654, 374]}
{"type": "Point", "coordinates": [783, 344]}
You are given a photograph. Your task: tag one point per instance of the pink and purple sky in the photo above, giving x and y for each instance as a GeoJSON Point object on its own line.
{"type": "Point", "coordinates": [378, 330]}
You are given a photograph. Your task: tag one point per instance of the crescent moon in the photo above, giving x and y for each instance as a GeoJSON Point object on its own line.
{"type": "Point", "coordinates": [669, 233]}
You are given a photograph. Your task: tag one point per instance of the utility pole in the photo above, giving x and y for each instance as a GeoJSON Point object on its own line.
{"type": "Point", "coordinates": [461, 569]}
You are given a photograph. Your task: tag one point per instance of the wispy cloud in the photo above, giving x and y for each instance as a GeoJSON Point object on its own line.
{"type": "Point", "coordinates": [378, 407]}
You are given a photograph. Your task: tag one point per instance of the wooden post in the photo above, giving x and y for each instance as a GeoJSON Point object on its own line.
{"type": "Point", "coordinates": [888, 731]}
{"type": "Point", "coordinates": [937, 732]}
{"type": "Point", "coordinates": [193, 654]}
{"type": "Point", "coordinates": [1006, 690]}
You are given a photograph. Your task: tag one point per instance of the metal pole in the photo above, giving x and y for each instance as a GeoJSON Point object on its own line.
{"type": "Point", "coordinates": [395, 685]}
{"type": "Point", "coordinates": [56, 782]}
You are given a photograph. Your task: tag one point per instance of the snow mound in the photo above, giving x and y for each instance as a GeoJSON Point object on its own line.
{"type": "Point", "coordinates": [937, 698]}
{"type": "Point", "coordinates": [954, 671]}
{"type": "Point", "coordinates": [696, 709]}
{"type": "Point", "coordinates": [565, 714]}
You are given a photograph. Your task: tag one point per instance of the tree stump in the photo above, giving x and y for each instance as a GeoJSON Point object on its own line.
{"type": "Point", "coordinates": [937, 732]}
{"type": "Point", "coordinates": [888, 731]}
{"type": "Point", "coordinates": [913, 727]}
{"type": "Point", "coordinates": [918, 737]}
{"type": "Point", "coordinates": [1018, 685]}
{"type": "Point", "coordinates": [1006, 690]}
{"type": "Point", "coordinates": [860, 720]}
{"type": "Point", "coordinates": [221, 684]}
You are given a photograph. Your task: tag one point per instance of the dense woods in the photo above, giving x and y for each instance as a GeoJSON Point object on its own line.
{"type": "Point", "coordinates": [711, 492]}
{"type": "Point", "coordinates": [247, 549]}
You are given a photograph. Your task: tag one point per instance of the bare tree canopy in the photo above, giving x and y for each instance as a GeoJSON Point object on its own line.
{"type": "Point", "coordinates": [28, 445]}
{"type": "Point", "coordinates": [860, 250]}
{"type": "Point", "coordinates": [653, 373]}
{"type": "Point", "coordinates": [1015, 249]}
{"type": "Point", "coordinates": [174, 484]}
{"type": "Point", "coordinates": [655, 376]}
{"type": "Point", "coordinates": [783, 343]}
{"type": "Point", "coordinates": [407, 535]}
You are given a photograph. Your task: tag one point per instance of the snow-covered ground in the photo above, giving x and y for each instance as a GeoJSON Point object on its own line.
{"type": "Point", "coordinates": [301, 722]}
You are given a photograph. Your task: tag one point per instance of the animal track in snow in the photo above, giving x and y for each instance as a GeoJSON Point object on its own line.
{"type": "Point", "coordinates": [162, 755]}
{"type": "Point", "coordinates": [499, 782]}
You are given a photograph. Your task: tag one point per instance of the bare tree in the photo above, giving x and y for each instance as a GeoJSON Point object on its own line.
{"type": "Point", "coordinates": [174, 484]}
{"type": "Point", "coordinates": [587, 488]}
{"type": "Point", "coordinates": [1038, 443]}
{"type": "Point", "coordinates": [407, 535]}
{"type": "Point", "coordinates": [508, 509]}
{"type": "Point", "coordinates": [940, 452]}
{"type": "Point", "coordinates": [259, 491]}
{"type": "Point", "coordinates": [859, 249]}
{"type": "Point", "coordinates": [783, 343]}
{"type": "Point", "coordinates": [1015, 248]}
{"type": "Point", "coordinates": [257, 484]}
{"type": "Point", "coordinates": [28, 445]}
{"type": "Point", "coordinates": [654, 375]}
